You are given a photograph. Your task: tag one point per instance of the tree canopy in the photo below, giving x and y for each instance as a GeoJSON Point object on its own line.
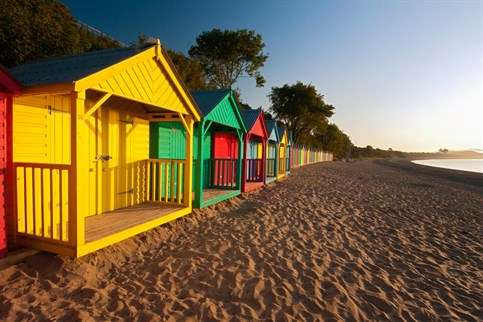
{"type": "Point", "coordinates": [226, 55]}
{"type": "Point", "coordinates": [301, 108]}
{"type": "Point", "coordinates": [189, 70]}
{"type": "Point", "coordinates": [35, 29]}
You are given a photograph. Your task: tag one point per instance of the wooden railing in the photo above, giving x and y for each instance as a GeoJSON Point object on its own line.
{"type": "Point", "coordinates": [42, 200]}
{"type": "Point", "coordinates": [165, 180]}
{"type": "Point", "coordinates": [270, 167]}
{"type": "Point", "coordinates": [254, 170]}
{"type": "Point", "coordinates": [281, 165]}
{"type": "Point", "coordinates": [221, 173]}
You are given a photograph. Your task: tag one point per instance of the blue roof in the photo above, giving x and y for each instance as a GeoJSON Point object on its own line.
{"type": "Point", "coordinates": [271, 127]}
{"type": "Point", "coordinates": [207, 100]}
{"type": "Point", "coordinates": [281, 131]}
{"type": "Point", "coordinates": [71, 68]}
{"type": "Point", "coordinates": [251, 117]}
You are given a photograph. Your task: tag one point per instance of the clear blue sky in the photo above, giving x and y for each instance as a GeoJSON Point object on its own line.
{"type": "Point", "coordinates": [405, 75]}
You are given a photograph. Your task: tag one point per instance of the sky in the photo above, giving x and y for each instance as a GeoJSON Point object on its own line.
{"type": "Point", "coordinates": [405, 75]}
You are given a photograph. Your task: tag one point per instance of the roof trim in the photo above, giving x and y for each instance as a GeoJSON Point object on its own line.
{"type": "Point", "coordinates": [8, 82]}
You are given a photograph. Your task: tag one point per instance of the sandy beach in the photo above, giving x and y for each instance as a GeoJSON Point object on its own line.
{"type": "Point", "coordinates": [352, 241]}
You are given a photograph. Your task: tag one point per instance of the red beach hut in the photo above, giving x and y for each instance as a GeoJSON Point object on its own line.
{"type": "Point", "coordinates": [8, 87]}
{"type": "Point", "coordinates": [253, 156]}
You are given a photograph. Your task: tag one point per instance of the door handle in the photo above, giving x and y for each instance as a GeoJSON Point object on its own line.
{"type": "Point", "coordinates": [103, 158]}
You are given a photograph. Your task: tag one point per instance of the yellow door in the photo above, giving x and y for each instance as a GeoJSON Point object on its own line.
{"type": "Point", "coordinates": [121, 150]}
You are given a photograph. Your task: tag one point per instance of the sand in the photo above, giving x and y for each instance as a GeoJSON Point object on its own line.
{"type": "Point", "coordinates": [353, 241]}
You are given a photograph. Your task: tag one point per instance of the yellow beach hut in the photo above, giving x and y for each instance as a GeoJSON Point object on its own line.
{"type": "Point", "coordinates": [282, 152]}
{"type": "Point", "coordinates": [81, 177]}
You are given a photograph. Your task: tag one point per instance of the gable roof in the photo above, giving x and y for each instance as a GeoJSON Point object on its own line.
{"type": "Point", "coordinates": [255, 122]}
{"type": "Point", "coordinates": [143, 74]}
{"type": "Point", "coordinates": [208, 99]}
{"type": "Point", "coordinates": [281, 131]}
{"type": "Point", "coordinates": [219, 106]}
{"type": "Point", "coordinates": [272, 130]}
{"type": "Point", "coordinates": [8, 84]}
{"type": "Point", "coordinates": [290, 138]}
{"type": "Point", "coordinates": [250, 117]}
{"type": "Point", "coordinates": [70, 68]}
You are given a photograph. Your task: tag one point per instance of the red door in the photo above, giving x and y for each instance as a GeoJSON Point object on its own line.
{"type": "Point", "coordinates": [225, 155]}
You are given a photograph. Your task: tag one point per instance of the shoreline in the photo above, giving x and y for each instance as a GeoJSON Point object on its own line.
{"type": "Point", "coordinates": [474, 179]}
{"type": "Point", "coordinates": [364, 240]}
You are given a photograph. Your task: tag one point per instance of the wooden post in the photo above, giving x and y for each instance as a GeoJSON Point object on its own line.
{"type": "Point", "coordinates": [264, 159]}
{"type": "Point", "coordinates": [239, 161]}
{"type": "Point", "coordinates": [10, 179]}
{"type": "Point", "coordinates": [199, 165]}
{"type": "Point", "coordinates": [246, 138]}
{"type": "Point", "coordinates": [78, 173]}
{"type": "Point", "coordinates": [188, 174]}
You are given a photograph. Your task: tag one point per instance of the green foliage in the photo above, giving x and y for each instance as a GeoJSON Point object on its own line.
{"type": "Point", "coordinates": [226, 55]}
{"type": "Point", "coordinates": [189, 70]}
{"type": "Point", "coordinates": [370, 152]}
{"type": "Point", "coordinates": [35, 29]}
{"type": "Point", "coordinates": [142, 40]}
{"type": "Point", "coordinates": [336, 141]}
{"type": "Point", "coordinates": [302, 109]}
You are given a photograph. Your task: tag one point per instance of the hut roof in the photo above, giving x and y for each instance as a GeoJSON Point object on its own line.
{"type": "Point", "coordinates": [251, 117]}
{"type": "Point", "coordinates": [8, 84]}
{"type": "Point", "coordinates": [70, 68]}
{"type": "Point", "coordinates": [207, 100]}
{"type": "Point", "coordinates": [272, 128]}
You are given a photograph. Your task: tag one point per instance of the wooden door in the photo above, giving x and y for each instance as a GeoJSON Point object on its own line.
{"type": "Point", "coordinates": [121, 150]}
{"type": "Point", "coordinates": [225, 155]}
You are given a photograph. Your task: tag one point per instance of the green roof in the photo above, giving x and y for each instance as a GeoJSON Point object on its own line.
{"type": "Point", "coordinates": [219, 106]}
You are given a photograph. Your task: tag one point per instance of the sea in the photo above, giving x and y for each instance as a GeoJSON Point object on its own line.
{"type": "Point", "coordinates": [471, 165]}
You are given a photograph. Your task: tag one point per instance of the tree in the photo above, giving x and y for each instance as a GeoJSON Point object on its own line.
{"type": "Point", "coordinates": [189, 70]}
{"type": "Point", "coordinates": [336, 141]}
{"type": "Point", "coordinates": [302, 109]}
{"type": "Point", "coordinates": [35, 29]}
{"type": "Point", "coordinates": [226, 55]}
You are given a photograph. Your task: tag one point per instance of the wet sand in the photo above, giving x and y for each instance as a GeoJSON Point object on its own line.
{"type": "Point", "coordinates": [365, 240]}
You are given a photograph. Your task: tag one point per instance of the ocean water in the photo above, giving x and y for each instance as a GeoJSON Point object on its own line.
{"type": "Point", "coordinates": [471, 165]}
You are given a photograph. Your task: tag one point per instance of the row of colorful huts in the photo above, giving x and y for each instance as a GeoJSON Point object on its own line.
{"type": "Point", "coordinates": [101, 146]}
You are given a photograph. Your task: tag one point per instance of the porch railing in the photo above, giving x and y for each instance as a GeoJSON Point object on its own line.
{"type": "Point", "coordinates": [42, 200]}
{"type": "Point", "coordinates": [165, 180]}
{"type": "Point", "coordinates": [270, 168]}
{"type": "Point", "coordinates": [254, 170]}
{"type": "Point", "coordinates": [221, 173]}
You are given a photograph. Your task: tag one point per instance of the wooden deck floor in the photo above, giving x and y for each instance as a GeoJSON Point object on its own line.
{"type": "Point", "coordinates": [112, 222]}
{"type": "Point", "coordinates": [209, 194]}
{"type": "Point", "coordinates": [271, 179]}
{"type": "Point", "coordinates": [250, 185]}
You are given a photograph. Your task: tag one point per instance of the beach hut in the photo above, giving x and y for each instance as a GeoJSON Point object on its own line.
{"type": "Point", "coordinates": [296, 155]}
{"type": "Point", "coordinates": [8, 88]}
{"type": "Point", "coordinates": [271, 162]}
{"type": "Point", "coordinates": [282, 151]}
{"type": "Point", "coordinates": [289, 157]}
{"type": "Point", "coordinates": [218, 142]}
{"type": "Point", "coordinates": [81, 175]}
{"type": "Point", "coordinates": [255, 150]}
